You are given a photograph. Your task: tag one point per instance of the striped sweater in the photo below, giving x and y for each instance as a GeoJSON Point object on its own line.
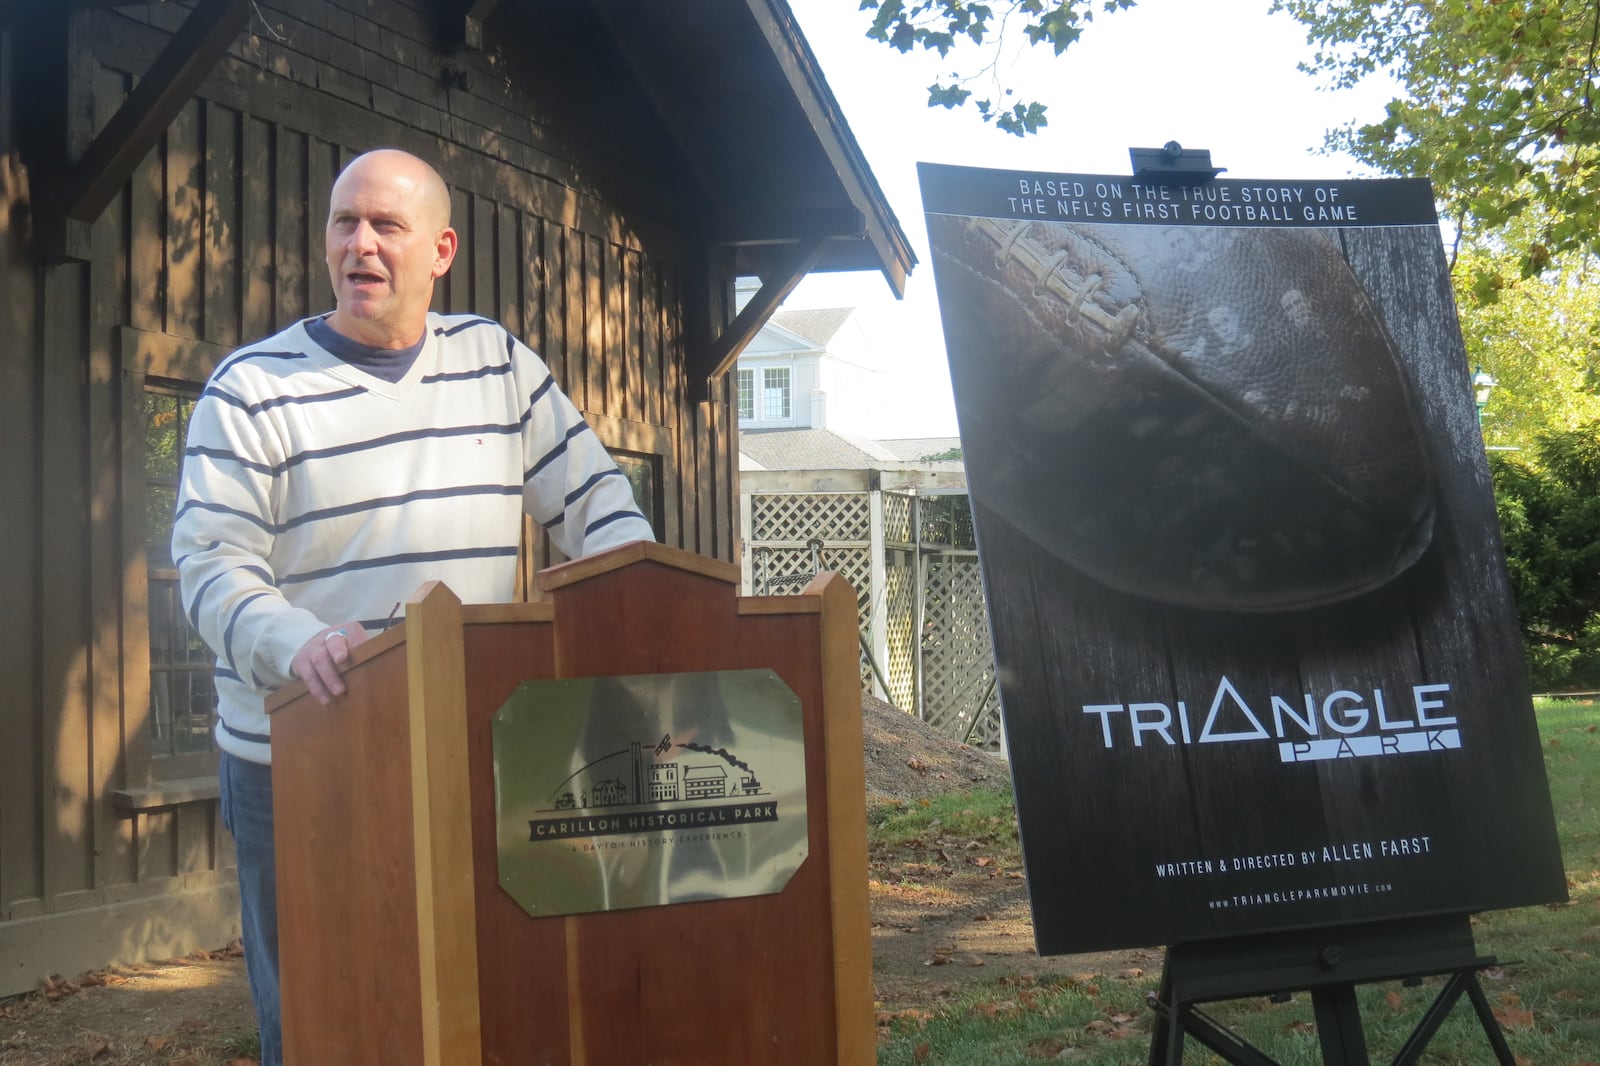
{"type": "Point", "coordinates": [314, 493]}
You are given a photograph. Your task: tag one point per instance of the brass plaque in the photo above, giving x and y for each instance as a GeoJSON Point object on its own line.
{"type": "Point", "coordinates": [643, 790]}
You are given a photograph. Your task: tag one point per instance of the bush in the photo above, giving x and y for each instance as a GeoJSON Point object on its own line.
{"type": "Point", "coordinates": [1549, 509]}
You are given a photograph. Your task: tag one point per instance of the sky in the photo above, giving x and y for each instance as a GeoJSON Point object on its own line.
{"type": "Point", "coordinates": [1215, 74]}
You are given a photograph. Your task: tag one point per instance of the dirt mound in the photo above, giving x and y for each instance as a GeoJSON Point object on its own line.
{"type": "Point", "coordinates": [909, 760]}
{"type": "Point", "coordinates": [944, 917]}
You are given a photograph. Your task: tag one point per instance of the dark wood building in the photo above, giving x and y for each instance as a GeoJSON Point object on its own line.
{"type": "Point", "coordinates": [164, 171]}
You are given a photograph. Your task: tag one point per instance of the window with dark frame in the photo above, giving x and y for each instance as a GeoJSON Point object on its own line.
{"type": "Point", "coordinates": [643, 472]}
{"type": "Point", "coordinates": [183, 697]}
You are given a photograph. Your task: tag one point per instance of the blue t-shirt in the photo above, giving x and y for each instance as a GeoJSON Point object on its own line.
{"type": "Point", "coordinates": [390, 364]}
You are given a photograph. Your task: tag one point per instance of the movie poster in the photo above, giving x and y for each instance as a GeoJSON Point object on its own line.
{"type": "Point", "coordinates": [1259, 664]}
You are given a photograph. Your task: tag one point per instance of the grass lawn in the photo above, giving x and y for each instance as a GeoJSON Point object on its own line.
{"type": "Point", "coordinates": [1546, 994]}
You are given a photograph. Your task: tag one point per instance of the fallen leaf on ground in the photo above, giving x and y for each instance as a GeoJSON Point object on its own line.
{"type": "Point", "coordinates": [1514, 1017]}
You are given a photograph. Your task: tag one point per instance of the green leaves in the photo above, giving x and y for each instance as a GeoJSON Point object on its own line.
{"type": "Point", "coordinates": [1020, 120]}
{"type": "Point", "coordinates": [1549, 509]}
{"type": "Point", "coordinates": [1496, 108]}
{"type": "Point", "coordinates": [946, 26]}
{"type": "Point", "coordinates": [947, 96]}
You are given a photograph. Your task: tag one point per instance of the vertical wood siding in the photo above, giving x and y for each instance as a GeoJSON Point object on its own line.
{"type": "Point", "coordinates": [216, 241]}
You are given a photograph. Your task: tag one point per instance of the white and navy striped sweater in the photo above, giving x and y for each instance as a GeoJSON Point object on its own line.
{"type": "Point", "coordinates": [314, 493]}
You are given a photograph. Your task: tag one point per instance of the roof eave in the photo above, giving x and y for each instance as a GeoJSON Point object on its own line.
{"type": "Point", "coordinates": [881, 230]}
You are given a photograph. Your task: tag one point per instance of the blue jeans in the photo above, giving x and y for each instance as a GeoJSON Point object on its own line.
{"type": "Point", "coordinates": [247, 812]}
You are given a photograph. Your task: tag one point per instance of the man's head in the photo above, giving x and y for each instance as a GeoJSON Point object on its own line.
{"type": "Point", "coordinates": [388, 239]}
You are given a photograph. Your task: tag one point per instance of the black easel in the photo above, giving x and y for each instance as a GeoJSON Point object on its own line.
{"type": "Point", "coordinates": [1329, 963]}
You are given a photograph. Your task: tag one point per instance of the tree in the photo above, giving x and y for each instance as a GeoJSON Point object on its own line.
{"type": "Point", "coordinates": [1538, 337]}
{"type": "Point", "coordinates": [939, 25]}
{"type": "Point", "coordinates": [1549, 512]}
{"type": "Point", "coordinates": [1498, 108]}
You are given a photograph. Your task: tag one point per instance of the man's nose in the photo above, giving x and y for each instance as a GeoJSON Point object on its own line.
{"type": "Point", "coordinates": [364, 239]}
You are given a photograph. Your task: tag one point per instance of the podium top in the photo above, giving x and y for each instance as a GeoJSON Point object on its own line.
{"type": "Point", "coordinates": [627, 555]}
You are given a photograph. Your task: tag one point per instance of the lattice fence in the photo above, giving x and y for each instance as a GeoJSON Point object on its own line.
{"type": "Point", "coordinates": [946, 522]}
{"type": "Point", "coordinates": [794, 535]}
{"type": "Point", "coordinates": [945, 673]}
{"type": "Point", "coordinates": [795, 517]}
{"type": "Point", "coordinates": [900, 624]}
{"type": "Point", "coordinates": [959, 695]}
{"type": "Point", "coordinates": [897, 519]}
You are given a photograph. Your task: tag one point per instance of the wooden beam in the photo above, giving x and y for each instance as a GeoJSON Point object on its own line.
{"type": "Point", "coordinates": [48, 129]}
{"type": "Point", "coordinates": [461, 23]}
{"type": "Point", "coordinates": [782, 31]}
{"type": "Point", "coordinates": [780, 227]}
{"type": "Point", "coordinates": [136, 127]}
{"type": "Point", "coordinates": [41, 47]}
{"type": "Point", "coordinates": [724, 349]}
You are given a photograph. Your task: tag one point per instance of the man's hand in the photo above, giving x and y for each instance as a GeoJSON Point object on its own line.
{"type": "Point", "coordinates": [317, 664]}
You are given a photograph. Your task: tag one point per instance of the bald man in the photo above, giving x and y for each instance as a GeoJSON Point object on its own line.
{"type": "Point", "coordinates": [334, 467]}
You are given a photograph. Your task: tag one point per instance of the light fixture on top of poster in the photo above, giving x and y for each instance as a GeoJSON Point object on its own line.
{"type": "Point", "coordinates": [1173, 164]}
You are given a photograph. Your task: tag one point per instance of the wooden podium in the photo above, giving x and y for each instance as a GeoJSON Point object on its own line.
{"type": "Point", "coordinates": [398, 945]}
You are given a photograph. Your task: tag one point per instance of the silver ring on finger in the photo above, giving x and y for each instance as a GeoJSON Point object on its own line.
{"type": "Point", "coordinates": [330, 634]}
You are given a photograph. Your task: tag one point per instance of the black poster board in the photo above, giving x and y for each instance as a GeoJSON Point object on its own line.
{"type": "Point", "coordinates": [1259, 664]}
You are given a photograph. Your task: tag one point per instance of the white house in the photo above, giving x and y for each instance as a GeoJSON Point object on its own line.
{"type": "Point", "coordinates": [809, 369]}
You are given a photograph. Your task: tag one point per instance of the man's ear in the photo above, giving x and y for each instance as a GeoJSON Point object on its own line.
{"type": "Point", "coordinates": [444, 251]}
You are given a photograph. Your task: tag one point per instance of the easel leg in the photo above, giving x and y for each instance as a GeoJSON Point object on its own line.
{"type": "Point", "coordinates": [1339, 1025]}
{"type": "Point", "coordinates": [1175, 1021]}
{"type": "Point", "coordinates": [1491, 1024]}
{"type": "Point", "coordinates": [1166, 1036]}
{"type": "Point", "coordinates": [1437, 1012]}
